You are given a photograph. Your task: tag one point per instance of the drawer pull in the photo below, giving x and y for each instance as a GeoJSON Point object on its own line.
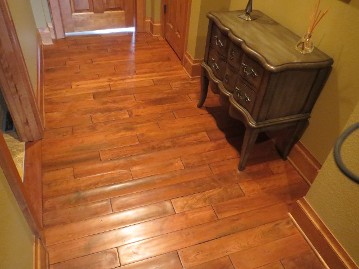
{"type": "Point", "coordinates": [219, 43]}
{"type": "Point", "coordinates": [214, 64]}
{"type": "Point", "coordinates": [242, 95]}
{"type": "Point", "coordinates": [233, 52]}
{"type": "Point", "coordinates": [249, 71]}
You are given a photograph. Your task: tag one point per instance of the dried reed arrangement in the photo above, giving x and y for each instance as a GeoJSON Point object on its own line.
{"type": "Point", "coordinates": [305, 44]}
{"type": "Point", "coordinates": [316, 17]}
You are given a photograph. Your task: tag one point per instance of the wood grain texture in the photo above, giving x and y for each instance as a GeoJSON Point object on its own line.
{"type": "Point", "coordinates": [135, 173]}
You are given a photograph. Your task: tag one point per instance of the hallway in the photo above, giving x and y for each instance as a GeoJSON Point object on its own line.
{"type": "Point", "coordinates": [136, 176]}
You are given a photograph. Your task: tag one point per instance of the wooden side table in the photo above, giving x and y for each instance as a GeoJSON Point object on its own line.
{"type": "Point", "coordinates": [267, 83]}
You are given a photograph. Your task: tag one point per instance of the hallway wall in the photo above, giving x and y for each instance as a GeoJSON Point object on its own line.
{"type": "Point", "coordinates": [16, 248]}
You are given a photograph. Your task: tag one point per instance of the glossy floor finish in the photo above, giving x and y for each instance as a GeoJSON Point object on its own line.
{"type": "Point", "coordinates": [136, 176]}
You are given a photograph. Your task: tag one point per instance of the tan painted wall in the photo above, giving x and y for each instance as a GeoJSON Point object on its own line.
{"type": "Point", "coordinates": [156, 11]}
{"type": "Point", "coordinates": [40, 9]}
{"type": "Point", "coordinates": [16, 247]}
{"type": "Point", "coordinates": [336, 199]}
{"type": "Point", "coordinates": [199, 23]}
{"type": "Point", "coordinates": [25, 25]}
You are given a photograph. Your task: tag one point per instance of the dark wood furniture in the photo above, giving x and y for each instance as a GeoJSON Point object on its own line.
{"type": "Point", "coordinates": [265, 82]}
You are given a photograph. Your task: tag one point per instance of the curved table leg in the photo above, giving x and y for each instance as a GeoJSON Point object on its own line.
{"type": "Point", "coordinates": [250, 138]}
{"type": "Point", "coordinates": [204, 88]}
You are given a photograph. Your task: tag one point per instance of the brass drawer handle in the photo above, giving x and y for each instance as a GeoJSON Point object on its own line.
{"type": "Point", "coordinates": [219, 43]}
{"type": "Point", "coordinates": [242, 95]}
{"type": "Point", "coordinates": [249, 71]}
{"type": "Point", "coordinates": [233, 52]}
{"type": "Point", "coordinates": [214, 64]}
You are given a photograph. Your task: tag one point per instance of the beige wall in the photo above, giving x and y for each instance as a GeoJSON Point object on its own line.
{"type": "Point", "coordinates": [198, 24]}
{"type": "Point", "coordinates": [16, 247]}
{"type": "Point", "coordinates": [335, 198]}
{"type": "Point", "coordinates": [25, 25]}
{"type": "Point", "coordinates": [41, 13]}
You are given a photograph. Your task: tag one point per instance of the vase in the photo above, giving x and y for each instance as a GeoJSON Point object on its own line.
{"type": "Point", "coordinates": [305, 44]}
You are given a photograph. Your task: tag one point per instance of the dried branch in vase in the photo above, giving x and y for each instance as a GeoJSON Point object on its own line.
{"type": "Point", "coordinates": [305, 44]}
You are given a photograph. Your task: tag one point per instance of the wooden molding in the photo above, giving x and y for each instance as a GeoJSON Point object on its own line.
{"type": "Point", "coordinates": [33, 178]}
{"type": "Point", "coordinates": [304, 162]}
{"type": "Point", "coordinates": [45, 36]}
{"type": "Point", "coordinates": [321, 239]}
{"type": "Point", "coordinates": [17, 187]}
{"type": "Point", "coordinates": [140, 15]}
{"type": "Point", "coordinates": [15, 81]}
{"type": "Point", "coordinates": [40, 79]}
{"type": "Point", "coordinates": [155, 28]}
{"type": "Point", "coordinates": [192, 66]}
{"type": "Point", "coordinates": [54, 7]}
{"type": "Point", "coordinates": [148, 25]}
{"type": "Point", "coordinates": [41, 255]}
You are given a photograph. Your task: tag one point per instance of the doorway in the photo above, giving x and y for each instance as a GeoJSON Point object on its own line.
{"type": "Point", "coordinates": [175, 24]}
{"type": "Point", "coordinates": [71, 16]}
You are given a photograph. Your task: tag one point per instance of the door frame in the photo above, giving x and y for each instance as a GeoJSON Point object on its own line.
{"type": "Point", "coordinates": [54, 7]}
{"type": "Point", "coordinates": [15, 81]}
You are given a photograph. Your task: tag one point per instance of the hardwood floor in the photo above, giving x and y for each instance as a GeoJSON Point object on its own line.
{"type": "Point", "coordinates": [136, 176]}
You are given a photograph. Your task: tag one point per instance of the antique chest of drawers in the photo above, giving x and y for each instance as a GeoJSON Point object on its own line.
{"type": "Point", "coordinates": [262, 79]}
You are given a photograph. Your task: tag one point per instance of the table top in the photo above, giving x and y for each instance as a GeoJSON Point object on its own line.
{"type": "Point", "coordinates": [265, 39]}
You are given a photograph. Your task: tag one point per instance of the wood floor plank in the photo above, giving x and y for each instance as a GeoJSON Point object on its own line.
{"type": "Point", "coordinates": [77, 213]}
{"type": "Point", "coordinates": [57, 175]}
{"type": "Point", "coordinates": [205, 198]}
{"type": "Point", "coordinates": [248, 203]}
{"type": "Point", "coordinates": [222, 263]}
{"type": "Point", "coordinates": [127, 187]}
{"type": "Point", "coordinates": [62, 187]}
{"type": "Point", "coordinates": [67, 232]}
{"type": "Point", "coordinates": [223, 246]}
{"type": "Point", "coordinates": [162, 194]}
{"type": "Point", "coordinates": [142, 148]}
{"type": "Point", "coordinates": [306, 260]}
{"type": "Point", "coordinates": [132, 168]}
{"type": "Point", "coordinates": [105, 260]}
{"type": "Point", "coordinates": [270, 253]}
{"type": "Point", "coordinates": [107, 240]}
{"type": "Point", "coordinates": [195, 235]}
{"type": "Point", "coordinates": [166, 261]}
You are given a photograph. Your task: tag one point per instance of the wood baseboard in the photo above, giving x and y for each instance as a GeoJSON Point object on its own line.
{"type": "Point", "coordinates": [41, 255]}
{"type": "Point", "coordinates": [304, 162]}
{"type": "Point", "coordinates": [155, 28]}
{"type": "Point", "coordinates": [33, 179]}
{"type": "Point", "coordinates": [46, 37]}
{"type": "Point", "coordinates": [148, 25]}
{"type": "Point", "coordinates": [40, 80]}
{"type": "Point", "coordinates": [192, 66]}
{"type": "Point", "coordinates": [320, 238]}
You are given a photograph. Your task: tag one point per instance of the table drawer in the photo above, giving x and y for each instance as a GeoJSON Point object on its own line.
{"type": "Point", "coordinates": [219, 41]}
{"type": "Point", "coordinates": [217, 63]}
{"type": "Point", "coordinates": [251, 71]}
{"type": "Point", "coordinates": [234, 55]}
{"type": "Point", "coordinates": [230, 78]}
{"type": "Point", "coordinates": [244, 95]}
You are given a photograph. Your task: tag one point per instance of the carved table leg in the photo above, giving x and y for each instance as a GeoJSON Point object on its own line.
{"type": "Point", "coordinates": [204, 88]}
{"type": "Point", "coordinates": [250, 138]}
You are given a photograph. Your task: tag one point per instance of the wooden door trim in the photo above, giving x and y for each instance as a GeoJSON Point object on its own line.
{"type": "Point", "coordinates": [14, 180]}
{"type": "Point", "coordinates": [15, 81]}
{"type": "Point", "coordinates": [140, 11]}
